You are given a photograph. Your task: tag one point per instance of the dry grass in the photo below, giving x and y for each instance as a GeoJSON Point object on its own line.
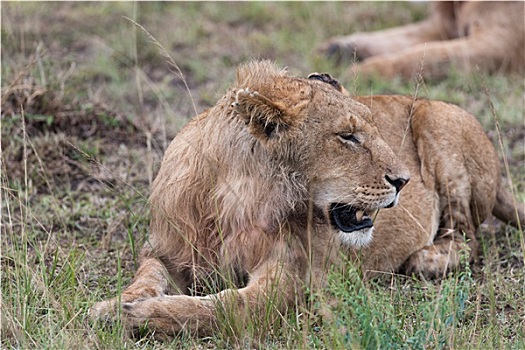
{"type": "Point", "coordinates": [88, 107]}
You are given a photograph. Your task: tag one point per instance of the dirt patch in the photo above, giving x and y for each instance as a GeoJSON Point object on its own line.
{"type": "Point", "coordinates": [46, 110]}
{"type": "Point", "coordinates": [55, 141]}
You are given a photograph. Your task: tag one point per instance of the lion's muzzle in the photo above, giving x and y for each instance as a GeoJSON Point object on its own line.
{"type": "Point", "coordinates": [348, 219]}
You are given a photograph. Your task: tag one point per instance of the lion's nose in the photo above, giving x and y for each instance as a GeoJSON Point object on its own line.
{"type": "Point", "coordinates": [397, 182]}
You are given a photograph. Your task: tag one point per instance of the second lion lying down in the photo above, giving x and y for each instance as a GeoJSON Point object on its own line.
{"type": "Point", "coordinates": [258, 197]}
{"type": "Point", "coordinates": [466, 35]}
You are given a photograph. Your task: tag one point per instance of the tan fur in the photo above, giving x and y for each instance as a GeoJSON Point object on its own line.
{"type": "Point", "coordinates": [240, 207]}
{"type": "Point", "coordinates": [462, 34]}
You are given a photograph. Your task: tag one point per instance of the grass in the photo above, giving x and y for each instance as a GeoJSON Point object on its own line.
{"type": "Point", "coordinates": [88, 107]}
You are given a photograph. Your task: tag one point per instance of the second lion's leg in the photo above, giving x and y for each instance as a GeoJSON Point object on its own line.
{"type": "Point", "coordinates": [443, 255]}
{"type": "Point", "coordinates": [361, 46]}
{"type": "Point", "coordinates": [456, 236]}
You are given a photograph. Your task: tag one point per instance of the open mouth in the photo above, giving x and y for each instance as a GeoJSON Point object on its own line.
{"type": "Point", "coordinates": [349, 219]}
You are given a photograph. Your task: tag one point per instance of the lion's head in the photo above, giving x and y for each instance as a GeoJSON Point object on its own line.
{"type": "Point", "coordinates": [313, 128]}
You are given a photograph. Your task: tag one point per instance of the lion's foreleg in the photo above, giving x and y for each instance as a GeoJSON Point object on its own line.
{"type": "Point", "coordinates": [151, 280]}
{"type": "Point", "coordinates": [436, 260]}
{"type": "Point", "coordinates": [361, 46]}
{"type": "Point", "coordinates": [268, 295]}
{"type": "Point", "coordinates": [455, 237]}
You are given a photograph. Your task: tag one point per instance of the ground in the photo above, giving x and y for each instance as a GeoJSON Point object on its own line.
{"type": "Point", "coordinates": [92, 93]}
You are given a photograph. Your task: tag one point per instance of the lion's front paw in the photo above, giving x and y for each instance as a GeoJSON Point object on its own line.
{"type": "Point", "coordinates": [436, 270]}
{"type": "Point", "coordinates": [149, 316]}
{"type": "Point", "coordinates": [105, 311]}
{"type": "Point", "coordinates": [136, 313]}
{"type": "Point", "coordinates": [433, 261]}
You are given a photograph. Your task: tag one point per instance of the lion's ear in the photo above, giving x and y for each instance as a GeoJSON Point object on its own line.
{"type": "Point", "coordinates": [327, 78]}
{"type": "Point", "coordinates": [264, 117]}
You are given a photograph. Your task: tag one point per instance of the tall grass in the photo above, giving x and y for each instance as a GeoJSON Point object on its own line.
{"type": "Point", "coordinates": [415, 314]}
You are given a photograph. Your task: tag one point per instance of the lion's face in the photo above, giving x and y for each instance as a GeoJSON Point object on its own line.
{"type": "Point", "coordinates": [316, 129]}
{"type": "Point", "coordinates": [353, 172]}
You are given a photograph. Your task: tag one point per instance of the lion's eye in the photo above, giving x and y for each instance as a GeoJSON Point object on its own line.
{"type": "Point", "coordinates": [348, 137]}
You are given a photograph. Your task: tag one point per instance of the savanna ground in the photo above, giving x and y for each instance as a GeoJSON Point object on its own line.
{"type": "Point", "coordinates": [89, 104]}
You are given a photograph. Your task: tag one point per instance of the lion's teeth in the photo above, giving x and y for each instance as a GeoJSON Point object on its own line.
{"type": "Point", "coordinates": [359, 215]}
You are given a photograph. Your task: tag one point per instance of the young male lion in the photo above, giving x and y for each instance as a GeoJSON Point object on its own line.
{"type": "Point", "coordinates": [258, 197]}
{"type": "Point", "coordinates": [463, 34]}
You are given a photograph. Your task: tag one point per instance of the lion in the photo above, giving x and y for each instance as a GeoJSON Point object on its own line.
{"type": "Point", "coordinates": [464, 35]}
{"type": "Point", "coordinates": [285, 178]}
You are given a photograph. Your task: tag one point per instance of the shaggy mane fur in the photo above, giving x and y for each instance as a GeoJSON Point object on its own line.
{"type": "Point", "coordinates": [220, 159]}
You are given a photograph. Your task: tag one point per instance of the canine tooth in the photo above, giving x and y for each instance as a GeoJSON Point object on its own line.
{"type": "Point", "coordinates": [359, 215]}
